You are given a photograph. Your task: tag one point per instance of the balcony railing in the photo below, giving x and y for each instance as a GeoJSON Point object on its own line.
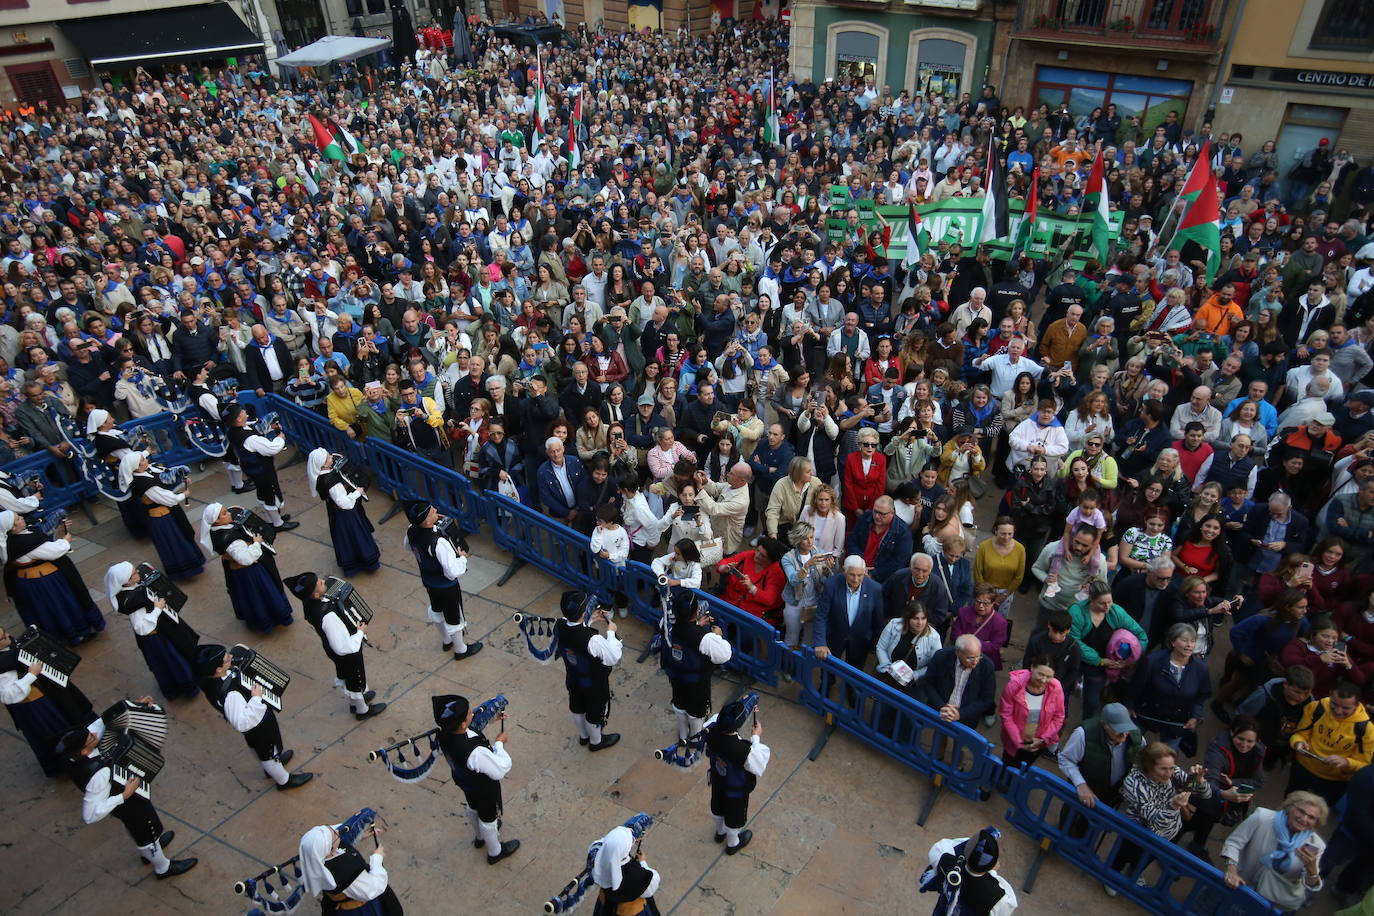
{"type": "Point", "coordinates": [1125, 23]}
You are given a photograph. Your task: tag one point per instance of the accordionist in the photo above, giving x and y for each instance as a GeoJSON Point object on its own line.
{"type": "Point", "coordinates": [93, 774]}
{"type": "Point", "coordinates": [478, 766]}
{"type": "Point", "coordinates": [245, 709]}
{"type": "Point", "coordinates": [167, 641]}
{"type": "Point", "coordinates": [254, 454]}
{"type": "Point", "coordinates": [441, 564]}
{"type": "Point", "coordinates": [342, 640]}
{"type": "Point", "coordinates": [42, 710]}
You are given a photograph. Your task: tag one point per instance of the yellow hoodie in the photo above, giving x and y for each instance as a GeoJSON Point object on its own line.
{"type": "Point", "coordinates": [1326, 735]}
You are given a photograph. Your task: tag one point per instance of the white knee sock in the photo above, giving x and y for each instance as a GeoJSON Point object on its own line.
{"type": "Point", "coordinates": [272, 513]}
{"type": "Point", "coordinates": [720, 823]}
{"type": "Point", "coordinates": [581, 722]}
{"type": "Point", "coordinates": [357, 702]}
{"type": "Point", "coordinates": [455, 634]}
{"type": "Point", "coordinates": [593, 733]}
{"type": "Point", "coordinates": [278, 772]}
{"type": "Point", "coordinates": [486, 831]}
{"type": "Point", "coordinates": [683, 729]}
{"type": "Point", "coordinates": [153, 853]}
{"type": "Point", "coordinates": [476, 823]}
{"type": "Point", "coordinates": [235, 476]}
{"type": "Point", "coordinates": [694, 725]}
{"type": "Point", "coordinates": [731, 837]}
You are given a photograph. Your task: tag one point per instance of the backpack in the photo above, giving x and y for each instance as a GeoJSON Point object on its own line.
{"type": "Point", "coordinates": [1360, 727]}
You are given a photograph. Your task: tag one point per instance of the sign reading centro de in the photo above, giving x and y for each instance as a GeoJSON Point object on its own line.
{"type": "Point", "coordinates": [1338, 79]}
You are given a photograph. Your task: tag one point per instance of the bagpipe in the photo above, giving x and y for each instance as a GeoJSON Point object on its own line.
{"type": "Point", "coordinates": [74, 436]}
{"type": "Point", "coordinates": [30, 485]}
{"type": "Point", "coordinates": [545, 629]}
{"type": "Point", "coordinates": [568, 899]}
{"type": "Point", "coordinates": [413, 763]}
{"type": "Point", "coordinates": [267, 425]}
{"type": "Point", "coordinates": [51, 523]}
{"type": "Point", "coordinates": [685, 755]}
{"type": "Point", "coordinates": [353, 474]}
{"type": "Point", "coordinates": [174, 478]}
{"type": "Point", "coordinates": [286, 893]}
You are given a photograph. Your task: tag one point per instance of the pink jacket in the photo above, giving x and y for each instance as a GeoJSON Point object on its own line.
{"type": "Point", "coordinates": [1014, 713]}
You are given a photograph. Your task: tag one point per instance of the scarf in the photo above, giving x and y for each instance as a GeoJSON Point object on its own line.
{"type": "Point", "coordinates": [1283, 858]}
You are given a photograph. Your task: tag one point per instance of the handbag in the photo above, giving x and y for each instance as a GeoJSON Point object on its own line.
{"type": "Point", "coordinates": [507, 488]}
{"type": "Point", "coordinates": [1278, 890]}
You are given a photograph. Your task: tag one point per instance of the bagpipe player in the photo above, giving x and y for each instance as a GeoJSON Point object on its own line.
{"type": "Point", "coordinates": [244, 709]}
{"type": "Point", "coordinates": [478, 766]}
{"type": "Point", "coordinates": [588, 657]}
{"type": "Point", "coordinates": [254, 454]}
{"type": "Point", "coordinates": [342, 640]}
{"type": "Point", "coordinates": [625, 883]}
{"type": "Point", "coordinates": [102, 797]}
{"type": "Point", "coordinates": [736, 765]}
{"type": "Point", "coordinates": [343, 879]}
{"type": "Point", "coordinates": [690, 650]}
{"type": "Point", "coordinates": [963, 872]}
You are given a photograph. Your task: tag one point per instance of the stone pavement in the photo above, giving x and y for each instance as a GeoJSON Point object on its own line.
{"type": "Point", "coordinates": [833, 836]}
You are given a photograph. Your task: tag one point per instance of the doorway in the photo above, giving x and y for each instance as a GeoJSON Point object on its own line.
{"type": "Point", "coordinates": [1304, 127]}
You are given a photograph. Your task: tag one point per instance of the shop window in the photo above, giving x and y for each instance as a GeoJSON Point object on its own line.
{"type": "Point", "coordinates": [1148, 98]}
{"type": "Point", "coordinates": [940, 67]}
{"type": "Point", "coordinates": [856, 56]}
{"type": "Point", "coordinates": [1345, 25]}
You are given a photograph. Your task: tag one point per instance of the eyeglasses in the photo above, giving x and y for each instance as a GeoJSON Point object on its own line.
{"type": "Point", "coordinates": [868, 445]}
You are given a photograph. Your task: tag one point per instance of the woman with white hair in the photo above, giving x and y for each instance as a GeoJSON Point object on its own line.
{"type": "Point", "coordinates": [250, 571]}
{"type": "Point", "coordinates": [171, 532]}
{"type": "Point", "coordinates": [167, 641]}
{"type": "Point", "coordinates": [346, 881]}
{"type": "Point", "coordinates": [1278, 853]}
{"type": "Point", "coordinates": [111, 444]}
{"type": "Point", "coordinates": [350, 530]}
{"type": "Point", "coordinates": [625, 883]}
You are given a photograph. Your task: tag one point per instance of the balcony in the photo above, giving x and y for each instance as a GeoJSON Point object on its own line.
{"type": "Point", "coordinates": [1175, 25]}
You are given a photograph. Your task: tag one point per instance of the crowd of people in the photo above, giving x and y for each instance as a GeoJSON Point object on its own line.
{"type": "Point", "coordinates": [635, 310]}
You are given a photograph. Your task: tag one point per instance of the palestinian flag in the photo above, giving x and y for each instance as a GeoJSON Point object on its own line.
{"type": "Point", "coordinates": [574, 152]}
{"type": "Point", "coordinates": [1095, 203]}
{"type": "Point", "coordinates": [913, 237]}
{"type": "Point", "coordinates": [541, 101]}
{"type": "Point", "coordinates": [1200, 175]}
{"type": "Point", "coordinates": [772, 119]}
{"type": "Point", "coordinates": [334, 142]}
{"type": "Point", "coordinates": [995, 225]}
{"type": "Point", "coordinates": [1027, 227]}
{"type": "Point", "coordinates": [1199, 225]}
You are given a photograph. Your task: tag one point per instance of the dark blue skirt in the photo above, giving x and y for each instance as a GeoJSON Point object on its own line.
{"type": "Point", "coordinates": [174, 675]}
{"type": "Point", "coordinates": [49, 604]}
{"type": "Point", "coordinates": [258, 596]}
{"type": "Point", "coordinates": [179, 554]}
{"type": "Point", "coordinates": [41, 723]}
{"type": "Point", "coordinates": [355, 549]}
{"type": "Point", "coordinates": [131, 511]}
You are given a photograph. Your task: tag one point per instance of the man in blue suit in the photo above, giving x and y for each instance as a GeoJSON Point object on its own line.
{"type": "Point", "coordinates": [849, 614]}
{"type": "Point", "coordinates": [882, 542]}
{"type": "Point", "coordinates": [558, 481]}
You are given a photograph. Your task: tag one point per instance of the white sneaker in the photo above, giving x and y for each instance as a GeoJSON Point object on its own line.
{"type": "Point", "coordinates": [1050, 590]}
{"type": "Point", "coordinates": [1111, 891]}
{"type": "Point", "coordinates": [989, 720]}
{"type": "Point", "coordinates": [624, 612]}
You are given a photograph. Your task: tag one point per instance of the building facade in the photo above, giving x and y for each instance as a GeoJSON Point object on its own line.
{"type": "Point", "coordinates": [940, 46]}
{"type": "Point", "coordinates": [1148, 57]}
{"type": "Point", "coordinates": [1299, 72]}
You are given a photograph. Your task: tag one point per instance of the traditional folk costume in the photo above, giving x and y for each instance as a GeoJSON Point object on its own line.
{"type": "Point", "coordinates": [250, 573]}
{"type": "Point", "coordinates": [736, 765]}
{"type": "Point", "coordinates": [588, 658]}
{"type": "Point", "coordinates": [350, 530]}
{"type": "Point", "coordinates": [441, 565]}
{"type": "Point", "coordinates": [165, 518]}
{"type": "Point", "coordinates": [342, 642]}
{"type": "Point", "coordinates": [167, 641]}
{"type": "Point", "coordinates": [478, 766]}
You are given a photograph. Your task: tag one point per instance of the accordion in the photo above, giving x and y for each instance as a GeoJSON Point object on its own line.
{"type": "Point", "coordinates": [345, 599]}
{"type": "Point", "coordinates": [450, 530]}
{"type": "Point", "coordinates": [132, 743]}
{"type": "Point", "coordinates": [354, 474]}
{"type": "Point", "coordinates": [57, 660]}
{"type": "Point", "coordinates": [156, 583]}
{"type": "Point", "coordinates": [252, 524]}
{"type": "Point", "coordinates": [253, 670]}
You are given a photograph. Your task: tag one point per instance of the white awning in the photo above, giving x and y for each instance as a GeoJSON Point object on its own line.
{"type": "Point", "coordinates": [332, 48]}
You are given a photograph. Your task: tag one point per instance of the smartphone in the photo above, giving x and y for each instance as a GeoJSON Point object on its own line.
{"type": "Point", "coordinates": [1245, 789]}
{"type": "Point", "coordinates": [1307, 568]}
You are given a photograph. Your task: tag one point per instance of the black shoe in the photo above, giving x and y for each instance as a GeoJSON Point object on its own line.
{"type": "Point", "coordinates": [367, 696]}
{"type": "Point", "coordinates": [606, 741]}
{"type": "Point", "coordinates": [472, 649]}
{"type": "Point", "coordinates": [164, 841]}
{"type": "Point", "coordinates": [478, 844]}
{"type": "Point", "coordinates": [744, 837]}
{"type": "Point", "coordinates": [508, 849]}
{"type": "Point", "coordinates": [246, 488]}
{"type": "Point", "coordinates": [285, 757]}
{"type": "Point", "coordinates": [178, 867]}
{"type": "Point", "coordinates": [582, 741]}
{"type": "Point", "coordinates": [295, 780]}
{"type": "Point", "coordinates": [286, 526]}
{"type": "Point", "coordinates": [375, 709]}
{"type": "Point", "coordinates": [720, 838]}
{"type": "Point", "coordinates": [447, 647]}
{"type": "Point", "coordinates": [286, 516]}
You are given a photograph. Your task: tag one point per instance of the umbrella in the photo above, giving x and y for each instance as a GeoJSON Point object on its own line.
{"type": "Point", "coordinates": [462, 42]}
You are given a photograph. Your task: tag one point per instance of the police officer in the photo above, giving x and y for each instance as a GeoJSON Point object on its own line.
{"type": "Point", "coordinates": [441, 562]}
{"type": "Point", "coordinates": [478, 766]}
{"type": "Point", "coordinates": [588, 658]}
{"type": "Point", "coordinates": [736, 765]}
{"type": "Point", "coordinates": [691, 648]}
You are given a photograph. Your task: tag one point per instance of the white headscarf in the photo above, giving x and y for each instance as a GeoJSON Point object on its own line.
{"type": "Point", "coordinates": [128, 465]}
{"type": "Point", "coordinates": [95, 420]}
{"type": "Point", "coordinates": [207, 521]}
{"type": "Point", "coordinates": [116, 578]}
{"type": "Point", "coordinates": [315, 846]}
{"type": "Point", "coordinates": [6, 523]}
{"type": "Point", "coordinates": [314, 464]}
{"type": "Point", "coordinates": [614, 852]}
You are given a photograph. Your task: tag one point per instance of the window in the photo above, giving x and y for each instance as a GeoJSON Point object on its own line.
{"type": "Point", "coordinates": [856, 55]}
{"type": "Point", "coordinates": [1345, 25]}
{"type": "Point", "coordinates": [940, 66]}
{"type": "Point", "coordinates": [1145, 97]}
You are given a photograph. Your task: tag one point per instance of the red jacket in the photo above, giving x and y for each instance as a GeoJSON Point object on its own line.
{"type": "Point", "coordinates": [767, 601]}
{"type": "Point", "coordinates": [860, 490]}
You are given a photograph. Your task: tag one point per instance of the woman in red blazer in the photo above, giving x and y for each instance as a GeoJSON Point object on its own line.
{"type": "Point", "coordinates": [865, 476]}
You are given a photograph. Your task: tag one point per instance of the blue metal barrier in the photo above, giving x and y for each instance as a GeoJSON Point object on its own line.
{"type": "Point", "coordinates": [550, 545]}
{"type": "Point", "coordinates": [756, 648]}
{"type": "Point", "coordinates": [1046, 809]}
{"type": "Point", "coordinates": [952, 755]}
